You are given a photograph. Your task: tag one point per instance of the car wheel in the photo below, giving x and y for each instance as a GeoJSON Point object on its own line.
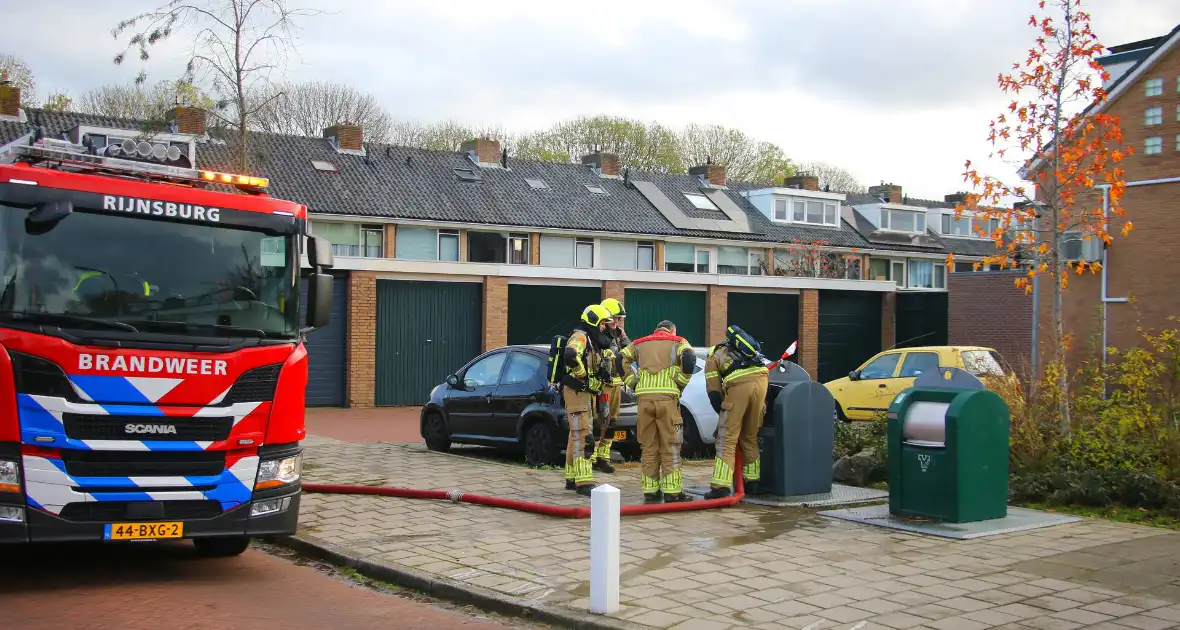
{"type": "Point", "coordinates": [840, 417]}
{"type": "Point", "coordinates": [693, 447]}
{"type": "Point", "coordinates": [435, 434]}
{"type": "Point", "coordinates": [540, 445]}
{"type": "Point", "coordinates": [221, 546]}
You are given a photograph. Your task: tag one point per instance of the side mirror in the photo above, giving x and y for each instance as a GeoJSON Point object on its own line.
{"type": "Point", "coordinates": [453, 381]}
{"type": "Point", "coordinates": [853, 375]}
{"type": "Point", "coordinates": [319, 300]}
{"type": "Point", "coordinates": [46, 216]}
{"type": "Point", "coordinates": [319, 253]}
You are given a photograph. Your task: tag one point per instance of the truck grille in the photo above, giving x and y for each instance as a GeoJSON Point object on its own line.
{"type": "Point", "coordinates": [108, 511]}
{"type": "Point", "coordinates": [255, 385]}
{"type": "Point", "coordinates": [89, 427]}
{"type": "Point", "coordinates": [143, 464]}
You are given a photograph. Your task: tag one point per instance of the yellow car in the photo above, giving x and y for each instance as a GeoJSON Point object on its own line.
{"type": "Point", "coordinates": [867, 391]}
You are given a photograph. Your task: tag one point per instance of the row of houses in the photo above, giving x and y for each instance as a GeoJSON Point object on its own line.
{"type": "Point", "coordinates": [443, 254]}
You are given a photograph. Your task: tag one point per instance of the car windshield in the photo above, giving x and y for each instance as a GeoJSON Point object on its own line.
{"type": "Point", "coordinates": [145, 275]}
{"type": "Point", "coordinates": [983, 363]}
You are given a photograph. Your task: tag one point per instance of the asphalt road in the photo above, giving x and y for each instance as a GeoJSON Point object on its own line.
{"type": "Point", "coordinates": [153, 586]}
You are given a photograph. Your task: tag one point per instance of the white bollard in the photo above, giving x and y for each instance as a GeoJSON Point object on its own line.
{"type": "Point", "coordinates": [605, 503]}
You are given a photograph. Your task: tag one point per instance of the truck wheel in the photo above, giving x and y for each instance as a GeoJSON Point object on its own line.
{"type": "Point", "coordinates": [435, 434]}
{"type": "Point", "coordinates": [693, 447]}
{"type": "Point", "coordinates": [221, 547]}
{"type": "Point", "coordinates": [540, 445]}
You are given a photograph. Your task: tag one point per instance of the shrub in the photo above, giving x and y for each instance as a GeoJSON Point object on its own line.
{"type": "Point", "coordinates": [854, 437]}
{"type": "Point", "coordinates": [1122, 445]}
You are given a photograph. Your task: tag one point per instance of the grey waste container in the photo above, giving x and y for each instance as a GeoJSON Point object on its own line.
{"type": "Point", "coordinates": [797, 434]}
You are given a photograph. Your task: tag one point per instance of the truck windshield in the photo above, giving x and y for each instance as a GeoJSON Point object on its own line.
{"type": "Point", "coordinates": [138, 274]}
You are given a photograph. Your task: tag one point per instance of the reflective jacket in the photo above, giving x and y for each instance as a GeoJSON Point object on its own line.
{"type": "Point", "coordinates": [661, 369]}
{"type": "Point", "coordinates": [723, 368]}
{"type": "Point", "coordinates": [619, 342]}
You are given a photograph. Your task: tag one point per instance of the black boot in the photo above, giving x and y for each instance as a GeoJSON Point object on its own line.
{"type": "Point", "coordinates": [653, 497]}
{"type": "Point", "coordinates": [751, 488]}
{"type": "Point", "coordinates": [717, 493]}
{"type": "Point", "coordinates": [603, 465]}
{"type": "Point", "coordinates": [570, 485]}
{"type": "Point", "coordinates": [585, 489]}
{"type": "Point", "coordinates": [679, 497]}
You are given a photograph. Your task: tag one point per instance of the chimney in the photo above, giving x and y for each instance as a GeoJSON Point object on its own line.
{"type": "Point", "coordinates": [891, 193]}
{"type": "Point", "coordinates": [349, 137]}
{"type": "Point", "coordinates": [806, 182]}
{"type": "Point", "coordinates": [607, 163]}
{"type": "Point", "coordinates": [487, 151]}
{"type": "Point", "coordinates": [9, 97]}
{"type": "Point", "coordinates": [713, 173]}
{"type": "Point", "coordinates": [188, 119]}
{"type": "Point", "coordinates": [956, 198]}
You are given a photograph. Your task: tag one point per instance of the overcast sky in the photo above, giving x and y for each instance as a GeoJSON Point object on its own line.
{"type": "Point", "coordinates": [893, 90]}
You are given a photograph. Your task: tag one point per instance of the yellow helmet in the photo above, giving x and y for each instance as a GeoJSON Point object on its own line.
{"type": "Point", "coordinates": [614, 307]}
{"type": "Point", "coordinates": [595, 314]}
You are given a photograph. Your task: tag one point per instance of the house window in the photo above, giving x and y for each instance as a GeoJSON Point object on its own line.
{"type": "Point", "coordinates": [1153, 145]}
{"type": "Point", "coordinates": [903, 221]}
{"type": "Point", "coordinates": [927, 274]}
{"type": "Point", "coordinates": [897, 272]}
{"type": "Point", "coordinates": [968, 226]}
{"type": "Point", "coordinates": [353, 239]}
{"type": "Point", "coordinates": [415, 243]}
{"type": "Point", "coordinates": [780, 209]}
{"type": "Point", "coordinates": [1154, 116]}
{"type": "Point", "coordinates": [704, 259]}
{"type": "Point", "coordinates": [645, 256]}
{"type": "Point", "coordinates": [1154, 87]}
{"type": "Point", "coordinates": [879, 269]}
{"type": "Point", "coordinates": [679, 257]}
{"type": "Point", "coordinates": [758, 266]}
{"type": "Point", "coordinates": [812, 262]}
{"type": "Point", "coordinates": [584, 254]}
{"type": "Point", "coordinates": [498, 247]}
{"type": "Point", "coordinates": [448, 245]}
{"type": "Point", "coordinates": [731, 260]}
{"type": "Point", "coordinates": [815, 212]}
{"type": "Point", "coordinates": [700, 202]}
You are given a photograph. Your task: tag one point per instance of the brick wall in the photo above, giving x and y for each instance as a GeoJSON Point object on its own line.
{"type": "Point", "coordinates": [350, 137]}
{"type": "Point", "coordinates": [362, 338]}
{"type": "Point", "coordinates": [390, 240]}
{"type": "Point", "coordinates": [462, 245]}
{"type": "Point", "coordinates": [9, 100]}
{"type": "Point", "coordinates": [614, 289]}
{"type": "Point", "coordinates": [188, 119]}
{"type": "Point", "coordinates": [535, 248]}
{"type": "Point", "coordinates": [716, 314]}
{"type": "Point", "coordinates": [659, 255]}
{"type": "Point", "coordinates": [888, 320]}
{"type": "Point", "coordinates": [809, 331]}
{"type": "Point", "coordinates": [495, 312]}
{"type": "Point", "coordinates": [987, 309]}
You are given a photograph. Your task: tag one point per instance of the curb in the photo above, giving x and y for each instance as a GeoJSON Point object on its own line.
{"type": "Point", "coordinates": [478, 596]}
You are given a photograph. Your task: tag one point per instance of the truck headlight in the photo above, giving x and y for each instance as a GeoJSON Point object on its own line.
{"type": "Point", "coordinates": [279, 472]}
{"type": "Point", "coordinates": [9, 475]}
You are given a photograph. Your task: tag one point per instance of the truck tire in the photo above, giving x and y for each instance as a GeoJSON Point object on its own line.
{"type": "Point", "coordinates": [221, 546]}
{"type": "Point", "coordinates": [540, 445]}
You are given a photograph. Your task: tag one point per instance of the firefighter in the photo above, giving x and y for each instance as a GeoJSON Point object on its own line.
{"type": "Point", "coordinates": [736, 379]}
{"type": "Point", "coordinates": [618, 340]}
{"type": "Point", "coordinates": [586, 377]}
{"type": "Point", "coordinates": [665, 363]}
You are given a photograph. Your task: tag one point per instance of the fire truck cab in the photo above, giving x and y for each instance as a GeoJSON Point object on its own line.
{"type": "Point", "coordinates": [152, 364]}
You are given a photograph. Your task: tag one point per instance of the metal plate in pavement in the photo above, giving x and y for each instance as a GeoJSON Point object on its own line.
{"type": "Point", "coordinates": [1018, 520]}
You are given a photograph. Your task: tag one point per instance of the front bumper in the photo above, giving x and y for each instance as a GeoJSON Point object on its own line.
{"type": "Point", "coordinates": [44, 527]}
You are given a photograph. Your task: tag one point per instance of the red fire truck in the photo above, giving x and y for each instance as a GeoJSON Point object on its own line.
{"type": "Point", "coordinates": [152, 365]}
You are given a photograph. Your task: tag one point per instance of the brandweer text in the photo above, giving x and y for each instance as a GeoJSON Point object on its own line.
{"type": "Point", "coordinates": [137, 364]}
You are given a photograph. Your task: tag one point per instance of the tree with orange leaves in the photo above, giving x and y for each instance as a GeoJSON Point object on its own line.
{"type": "Point", "coordinates": [1064, 150]}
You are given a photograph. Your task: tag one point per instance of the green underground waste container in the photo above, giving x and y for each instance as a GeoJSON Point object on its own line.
{"type": "Point", "coordinates": [948, 449]}
{"type": "Point", "coordinates": [795, 445]}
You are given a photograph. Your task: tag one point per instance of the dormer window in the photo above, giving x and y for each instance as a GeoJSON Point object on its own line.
{"type": "Point", "coordinates": [807, 211]}
{"type": "Point", "coordinates": [903, 221]}
{"type": "Point", "coordinates": [968, 226]}
{"type": "Point", "coordinates": [700, 202]}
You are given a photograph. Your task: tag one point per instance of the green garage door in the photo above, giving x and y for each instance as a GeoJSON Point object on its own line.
{"type": "Point", "coordinates": [646, 307]}
{"type": "Point", "coordinates": [537, 312]}
{"type": "Point", "coordinates": [922, 319]}
{"type": "Point", "coordinates": [425, 331]}
{"type": "Point", "coordinates": [773, 319]}
{"type": "Point", "coordinates": [849, 331]}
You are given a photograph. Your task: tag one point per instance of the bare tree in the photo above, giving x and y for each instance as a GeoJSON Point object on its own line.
{"type": "Point", "coordinates": [832, 177]}
{"type": "Point", "coordinates": [306, 109]}
{"type": "Point", "coordinates": [745, 158]}
{"type": "Point", "coordinates": [137, 102]}
{"type": "Point", "coordinates": [236, 45]}
{"type": "Point", "coordinates": [19, 74]}
{"type": "Point", "coordinates": [445, 135]}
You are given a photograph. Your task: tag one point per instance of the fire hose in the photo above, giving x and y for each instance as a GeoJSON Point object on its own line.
{"type": "Point", "coordinates": [562, 511]}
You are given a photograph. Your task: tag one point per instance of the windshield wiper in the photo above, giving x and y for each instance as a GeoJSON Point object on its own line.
{"type": "Point", "coordinates": [60, 318]}
{"type": "Point", "coordinates": [190, 326]}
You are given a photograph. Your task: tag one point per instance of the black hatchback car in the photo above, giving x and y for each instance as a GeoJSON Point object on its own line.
{"type": "Point", "coordinates": [502, 399]}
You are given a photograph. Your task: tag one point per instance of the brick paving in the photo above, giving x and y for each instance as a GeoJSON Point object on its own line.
{"type": "Point", "coordinates": [150, 587]}
{"type": "Point", "coordinates": [744, 567]}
